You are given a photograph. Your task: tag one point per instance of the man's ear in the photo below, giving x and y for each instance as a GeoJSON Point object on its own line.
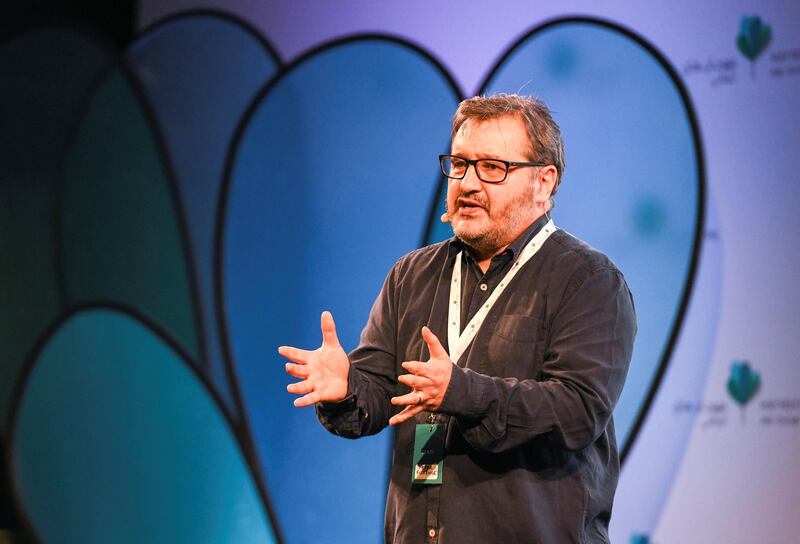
{"type": "Point", "coordinates": [546, 183]}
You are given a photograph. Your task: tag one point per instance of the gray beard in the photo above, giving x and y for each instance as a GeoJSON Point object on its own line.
{"type": "Point", "coordinates": [488, 243]}
{"type": "Point", "coordinates": [519, 216]}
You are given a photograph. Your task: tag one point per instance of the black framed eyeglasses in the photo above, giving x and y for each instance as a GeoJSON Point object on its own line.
{"type": "Point", "coordinates": [488, 170]}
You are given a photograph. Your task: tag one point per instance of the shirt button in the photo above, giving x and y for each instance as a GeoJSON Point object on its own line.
{"type": "Point", "coordinates": [431, 533]}
{"type": "Point", "coordinates": [484, 287]}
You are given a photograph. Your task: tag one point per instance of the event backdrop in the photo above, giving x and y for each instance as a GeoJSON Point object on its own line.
{"type": "Point", "coordinates": [176, 209]}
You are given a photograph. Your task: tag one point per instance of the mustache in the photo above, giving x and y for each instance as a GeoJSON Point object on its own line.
{"type": "Point", "coordinates": [471, 200]}
{"type": "Point", "coordinates": [462, 200]}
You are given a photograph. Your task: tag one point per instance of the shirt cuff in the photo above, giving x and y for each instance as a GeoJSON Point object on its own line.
{"type": "Point", "coordinates": [341, 417]}
{"type": "Point", "coordinates": [465, 394]}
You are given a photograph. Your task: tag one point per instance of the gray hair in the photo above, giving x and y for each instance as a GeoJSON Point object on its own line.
{"type": "Point", "coordinates": [545, 137]}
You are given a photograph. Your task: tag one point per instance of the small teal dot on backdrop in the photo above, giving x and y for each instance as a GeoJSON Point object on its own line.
{"type": "Point", "coordinates": [561, 59]}
{"type": "Point", "coordinates": [649, 217]}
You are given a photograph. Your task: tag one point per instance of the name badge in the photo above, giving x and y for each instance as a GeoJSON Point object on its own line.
{"type": "Point", "coordinates": [428, 453]}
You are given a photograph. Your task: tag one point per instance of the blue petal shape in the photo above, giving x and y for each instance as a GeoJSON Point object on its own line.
{"type": "Point", "coordinates": [331, 183]}
{"type": "Point", "coordinates": [199, 73]}
{"type": "Point", "coordinates": [632, 185]}
{"type": "Point", "coordinates": [116, 440]}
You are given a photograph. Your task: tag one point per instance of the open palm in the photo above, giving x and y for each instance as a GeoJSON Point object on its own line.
{"type": "Point", "coordinates": [323, 372]}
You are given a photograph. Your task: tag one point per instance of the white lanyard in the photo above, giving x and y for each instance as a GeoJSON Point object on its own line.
{"type": "Point", "coordinates": [459, 342]}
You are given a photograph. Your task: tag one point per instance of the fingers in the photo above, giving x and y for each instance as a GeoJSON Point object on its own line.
{"type": "Point", "coordinates": [328, 329]}
{"type": "Point", "coordinates": [300, 388]}
{"type": "Point", "coordinates": [415, 397]}
{"type": "Point", "coordinates": [307, 400]}
{"type": "Point", "coordinates": [434, 346]}
{"type": "Point", "coordinates": [299, 356]}
{"type": "Point", "coordinates": [414, 382]}
{"type": "Point", "coordinates": [405, 415]}
{"type": "Point", "coordinates": [418, 368]}
{"type": "Point", "coordinates": [298, 371]}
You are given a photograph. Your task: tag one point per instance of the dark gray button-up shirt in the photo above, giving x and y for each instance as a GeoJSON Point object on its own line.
{"type": "Point", "coordinates": [530, 454]}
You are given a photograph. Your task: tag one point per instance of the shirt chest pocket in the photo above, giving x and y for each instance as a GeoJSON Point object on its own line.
{"type": "Point", "coordinates": [515, 347]}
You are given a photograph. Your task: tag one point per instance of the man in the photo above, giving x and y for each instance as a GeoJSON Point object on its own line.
{"type": "Point", "coordinates": [497, 355]}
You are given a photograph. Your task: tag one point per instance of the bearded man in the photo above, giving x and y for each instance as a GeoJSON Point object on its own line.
{"type": "Point", "coordinates": [498, 355]}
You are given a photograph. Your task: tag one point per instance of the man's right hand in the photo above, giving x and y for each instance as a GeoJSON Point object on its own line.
{"type": "Point", "coordinates": [323, 372]}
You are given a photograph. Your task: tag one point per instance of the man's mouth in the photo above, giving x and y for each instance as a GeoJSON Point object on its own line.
{"type": "Point", "coordinates": [466, 205]}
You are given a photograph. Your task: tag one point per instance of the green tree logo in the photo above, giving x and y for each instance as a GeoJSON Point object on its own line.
{"type": "Point", "coordinates": [754, 36]}
{"type": "Point", "coordinates": [743, 383]}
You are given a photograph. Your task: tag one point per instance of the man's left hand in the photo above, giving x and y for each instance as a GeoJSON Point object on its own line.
{"type": "Point", "coordinates": [428, 381]}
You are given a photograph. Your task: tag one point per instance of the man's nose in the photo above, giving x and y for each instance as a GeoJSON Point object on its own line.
{"type": "Point", "coordinates": [470, 181]}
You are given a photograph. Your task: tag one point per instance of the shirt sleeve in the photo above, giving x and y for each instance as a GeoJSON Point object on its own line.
{"type": "Point", "coordinates": [373, 376]}
{"type": "Point", "coordinates": [583, 371]}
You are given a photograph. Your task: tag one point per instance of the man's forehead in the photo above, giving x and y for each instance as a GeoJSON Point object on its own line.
{"type": "Point", "coordinates": [508, 130]}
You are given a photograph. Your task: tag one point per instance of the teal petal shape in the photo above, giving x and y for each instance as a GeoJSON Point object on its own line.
{"type": "Point", "coordinates": [754, 36]}
{"type": "Point", "coordinates": [48, 75]}
{"type": "Point", "coordinates": [743, 382]}
{"type": "Point", "coordinates": [120, 230]}
{"type": "Point", "coordinates": [115, 439]}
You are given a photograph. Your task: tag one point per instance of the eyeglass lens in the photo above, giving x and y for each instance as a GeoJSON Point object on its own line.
{"type": "Point", "coordinates": [487, 169]}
